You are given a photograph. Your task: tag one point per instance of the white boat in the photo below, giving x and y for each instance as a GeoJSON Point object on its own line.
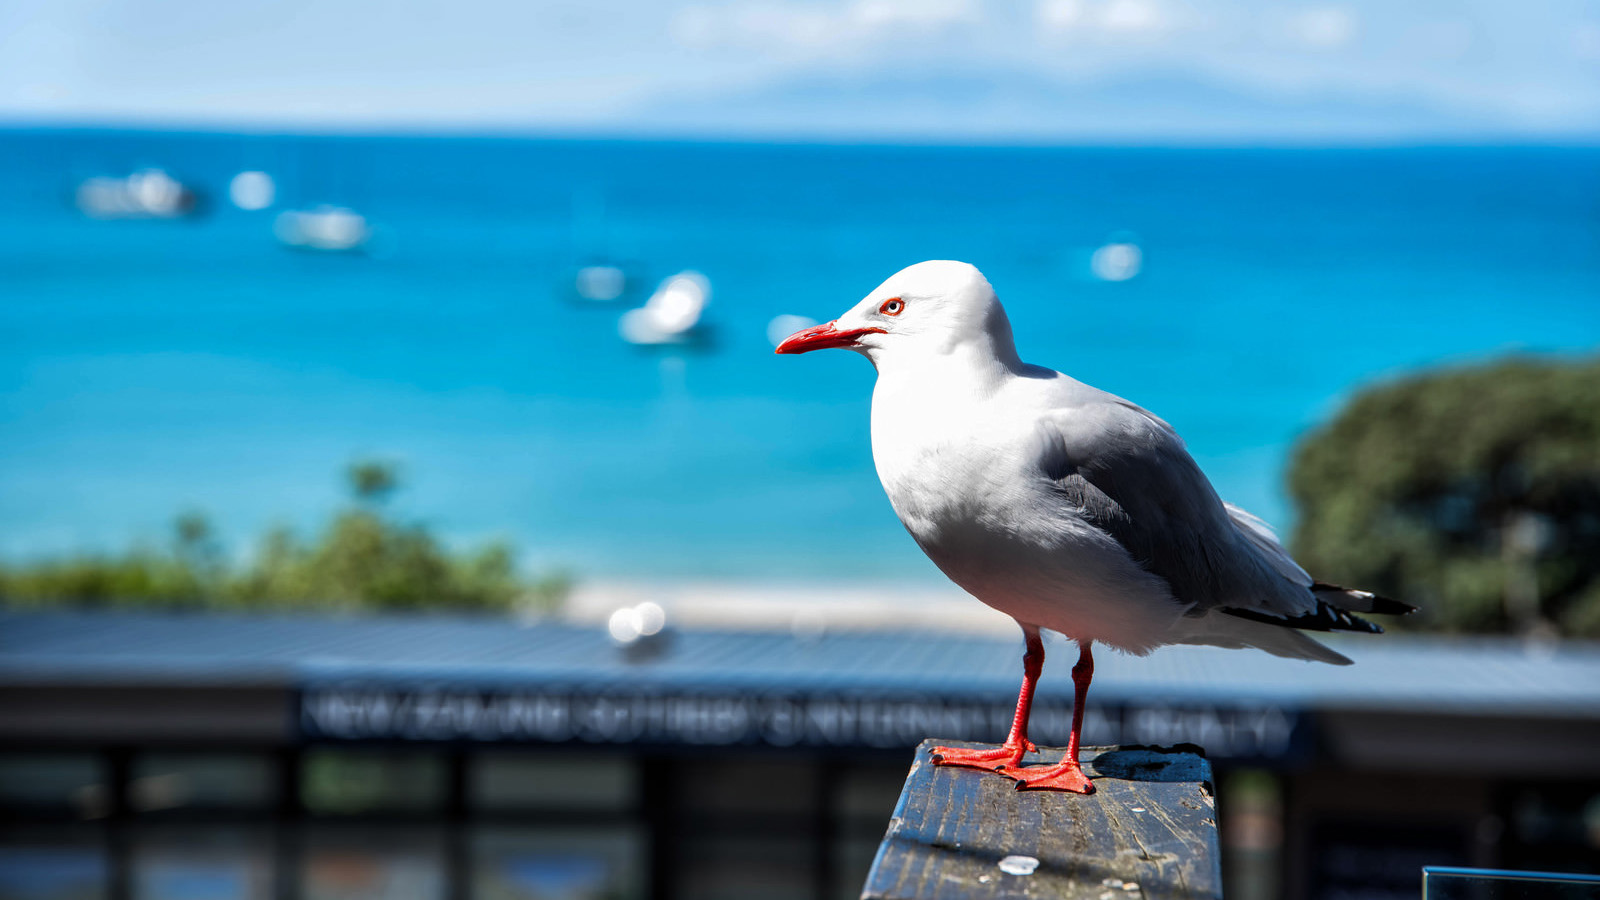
{"type": "Point", "coordinates": [671, 315]}
{"type": "Point", "coordinates": [332, 229]}
{"type": "Point", "coordinates": [1118, 260]}
{"type": "Point", "coordinates": [600, 283]}
{"type": "Point", "coordinates": [145, 194]}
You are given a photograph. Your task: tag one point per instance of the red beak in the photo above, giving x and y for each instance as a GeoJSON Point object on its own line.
{"type": "Point", "coordinates": [823, 337]}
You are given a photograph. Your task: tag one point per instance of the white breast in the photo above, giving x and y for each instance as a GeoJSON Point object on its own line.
{"type": "Point", "coordinates": [959, 474]}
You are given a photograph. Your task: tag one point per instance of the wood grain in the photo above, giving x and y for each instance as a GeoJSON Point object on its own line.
{"type": "Point", "coordinates": [1149, 832]}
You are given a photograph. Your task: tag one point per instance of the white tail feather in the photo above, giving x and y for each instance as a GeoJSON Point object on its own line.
{"type": "Point", "coordinates": [1232, 632]}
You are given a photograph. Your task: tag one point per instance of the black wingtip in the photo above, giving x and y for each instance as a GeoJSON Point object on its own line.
{"type": "Point", "coordinates": [1366, 601]}
{"type": "Point", "coordinates": [1326, 618]}
{"type": "Point", "coordinates": [1390, 607]}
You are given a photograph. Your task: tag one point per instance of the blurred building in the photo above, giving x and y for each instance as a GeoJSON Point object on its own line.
{"type": "Point", "coordinates": [166, 757]}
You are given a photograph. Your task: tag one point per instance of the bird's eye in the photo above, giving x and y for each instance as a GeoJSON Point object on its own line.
{"type": "Point", "coordinates": [892, 306]}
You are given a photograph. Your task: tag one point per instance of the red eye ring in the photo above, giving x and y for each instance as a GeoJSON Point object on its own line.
{"type": "Point", "coordinates": [892, 306]}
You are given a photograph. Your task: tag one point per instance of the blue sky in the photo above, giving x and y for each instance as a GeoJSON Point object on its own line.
{"type": "Point", "coordinates": [1050, 70]}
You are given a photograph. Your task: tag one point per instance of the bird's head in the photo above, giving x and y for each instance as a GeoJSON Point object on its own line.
{"type": "Point", "coordinates": [931, 308]}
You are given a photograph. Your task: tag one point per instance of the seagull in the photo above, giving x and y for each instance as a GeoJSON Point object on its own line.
{"type": "Point", "coordinates": [1061, 505]}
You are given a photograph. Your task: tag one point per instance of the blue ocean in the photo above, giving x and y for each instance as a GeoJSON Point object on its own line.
{"type": "Point", "coordinates": [156, 366]}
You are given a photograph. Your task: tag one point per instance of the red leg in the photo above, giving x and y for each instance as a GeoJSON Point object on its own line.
{"type": "Point", "coordinates": [1066, 775]}
{"type": "Point", "coordinates": [1010, 753]}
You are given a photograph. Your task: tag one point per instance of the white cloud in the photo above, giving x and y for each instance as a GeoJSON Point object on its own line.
{"type": "Point", "coordinates": [912, 13]}
{"type": "Point", "coordinates": [756, 25]}
{"type": "Point", "coordinates": [1135, 17]}
{"type": "Point", "coordinates": [1326, 27]}
{"type": "Point", "coordinates": [1107, 20]}
{"type": "Point", "coordinates": [607, 64]}
{"type": "Point", "coordinates": [1059, 15]}
{"type": "Point", "coordinates": [763, 25]}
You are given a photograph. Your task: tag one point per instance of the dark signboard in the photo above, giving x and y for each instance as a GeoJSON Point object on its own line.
{"type": "Point", "coordinates": [553, 715]}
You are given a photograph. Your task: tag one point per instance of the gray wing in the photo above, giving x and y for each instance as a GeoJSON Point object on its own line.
{"type": "Point", "coordinates": [1127, 473]}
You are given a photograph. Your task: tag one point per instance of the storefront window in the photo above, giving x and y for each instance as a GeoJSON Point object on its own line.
{"type": "Point", "coordinates": [729, 866]}
{"type": "Point", "coordinates": [67, 784]}
{"type": "Point", "coordinates": [373, 864]}
{"type": "Point", "coordinates": [345, 782]}
{"type": "Point", "coordinates": [238, 781]}
{"type": "Point", "coordinates": [598, 864]}
{"type": "Point", "coordinates": [210, 863]}
{"type": "Point", "coordinates": [757, 787]}
{"type": "Point", "coordinates": [44, 863]}
{"type": "Point", "coordinates": [524, 781]}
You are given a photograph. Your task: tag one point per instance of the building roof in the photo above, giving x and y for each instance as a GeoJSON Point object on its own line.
{"type": "Point", "coordinates": [1392, 672]}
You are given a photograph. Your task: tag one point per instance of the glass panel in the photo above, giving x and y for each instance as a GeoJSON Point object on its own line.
{"type": "Point", "coordinates": [502, 781]}
{"type": "Point", "coordinates": [546, 865]}
{"type": "Point", "coordinates": [202, 864]}
{"type": "Point", "coordinates": [201, 781]}
{"type": "Point", "coordinates": [346, 781]}
{"type": "Point", "coordinates": [1439, 883]}
{"type": "Point", "coordinates": [63, 782]}
{"type": "Point", "coordinates": [52, 864]}
{"type": "Point", "coordinates": [373, 864]}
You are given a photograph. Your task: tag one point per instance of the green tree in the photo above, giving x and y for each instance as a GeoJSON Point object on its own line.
{"type": "Point", "coordinates": [185, 574]}
{"type": "Point", "coordinates": [364, 560]}
{"type": "Point", "coordinates": [1474, 493]}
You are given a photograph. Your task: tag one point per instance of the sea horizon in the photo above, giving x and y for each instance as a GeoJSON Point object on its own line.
{"type": "Point", "coordinates": [469, 131]}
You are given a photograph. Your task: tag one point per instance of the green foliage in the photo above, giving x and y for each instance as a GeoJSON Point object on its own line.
{"type": "Point", "coordinates": [372, 481]}
{"type": "Point", "coordinates": [1474, 493]}
{"type": "Point", "coordinates": [363, 561]}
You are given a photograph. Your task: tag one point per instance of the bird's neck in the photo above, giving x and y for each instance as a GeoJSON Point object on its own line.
{"type": "Point", "coordinates": [975, 367]}
{"type": "Point", "coordinates": [915, 400]}
{"type": "Point", "coordinates": [934, 408]}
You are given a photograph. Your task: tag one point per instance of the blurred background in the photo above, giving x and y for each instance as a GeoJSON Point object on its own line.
{"type": "Point", "coordinates": [399, 497]}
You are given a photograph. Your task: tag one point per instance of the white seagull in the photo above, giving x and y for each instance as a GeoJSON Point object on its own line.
{"type": "Point", "coordinates": [1061, 505]}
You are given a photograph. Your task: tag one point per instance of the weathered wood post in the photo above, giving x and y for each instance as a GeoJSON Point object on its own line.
{"type": "Point", "coordinates": [1149, 832]}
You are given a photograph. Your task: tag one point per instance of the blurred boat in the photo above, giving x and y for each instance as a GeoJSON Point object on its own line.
{"type": "Point", "coordinates": [331, 229]}
{"type": "Point", "coordinates": [672, 315]}
{"type": "Point", "coordinates": [145, 194]}
{"type": "Point", "coordinates": [252, 189]}
{"type": "Point", "coordinates": [1118, 260]}
{"type": "Point", "coordinates": [600, 282]}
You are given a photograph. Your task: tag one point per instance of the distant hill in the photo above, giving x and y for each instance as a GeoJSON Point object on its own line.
{"type": "Point", "coordinates": [1014, 104]}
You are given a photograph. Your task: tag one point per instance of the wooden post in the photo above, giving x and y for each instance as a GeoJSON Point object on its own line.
{"type": "Point", "coordinates": [1148, 832]}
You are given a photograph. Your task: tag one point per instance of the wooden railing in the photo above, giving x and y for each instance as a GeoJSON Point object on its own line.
{"type": "Point", "coordinates": [1149, 832]}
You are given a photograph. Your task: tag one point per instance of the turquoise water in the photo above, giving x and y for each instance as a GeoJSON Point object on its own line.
{"type": "Point", "coordinates": [153, 366]}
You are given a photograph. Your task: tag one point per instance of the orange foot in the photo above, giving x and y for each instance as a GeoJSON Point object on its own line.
{"type": "Point", "coordinates": [994, 759]}
{"type": "Point", "coordinates": [1065, 776]}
